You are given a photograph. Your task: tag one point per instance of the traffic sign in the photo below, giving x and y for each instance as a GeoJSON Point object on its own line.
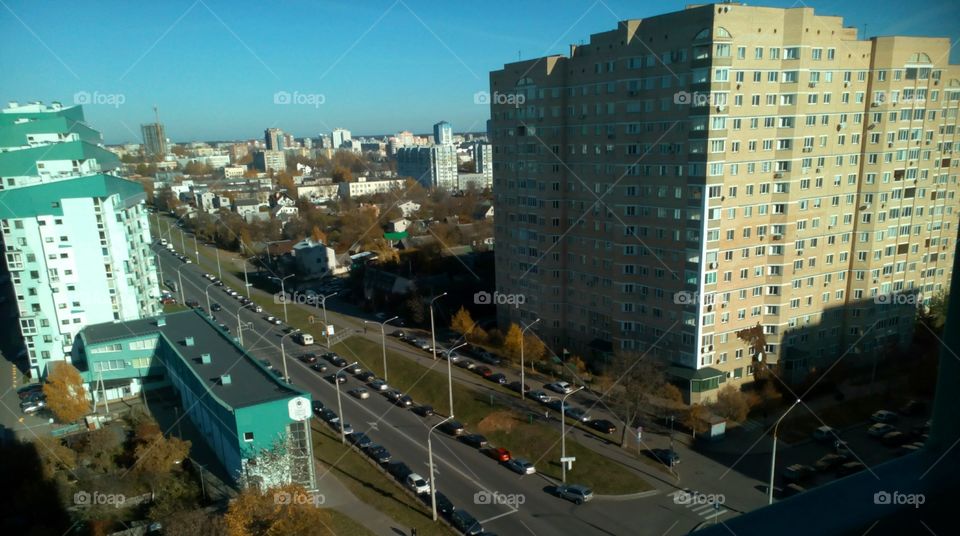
{"type": "Point", "coordinates": [639, 433]}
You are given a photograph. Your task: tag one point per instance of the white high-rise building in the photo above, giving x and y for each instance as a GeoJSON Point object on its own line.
{"type": "Point", "coordinates": [432, 167]}
{"type": "Point", "coordinates": [339, 136]}
{"type": "Point", "coordinates": [443, 133]}
{"type": "Point", "coordinates": [76, 240]}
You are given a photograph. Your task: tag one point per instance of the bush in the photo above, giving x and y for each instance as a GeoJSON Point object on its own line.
{"type": "Point", "coordinates": [731, 404]}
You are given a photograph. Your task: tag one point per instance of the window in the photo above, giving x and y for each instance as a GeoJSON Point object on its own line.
{"type": "Point", "coordinates": [248, 436]}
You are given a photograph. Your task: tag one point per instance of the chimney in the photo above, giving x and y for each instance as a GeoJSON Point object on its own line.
{"type": "Point", "coordinates": [188, 341]}
{"type": "Point", "coordinates": [205, 359]}
{"type": "Point", "coordinates": [225, 380]}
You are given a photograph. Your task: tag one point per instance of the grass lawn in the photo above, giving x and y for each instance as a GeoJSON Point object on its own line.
{"type": "Point", "coordinates": [344, 525]}
{"type": "Point", "coordinates": [371, 485]}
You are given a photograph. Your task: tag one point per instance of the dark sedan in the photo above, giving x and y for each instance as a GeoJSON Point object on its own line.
{"type": "Point", "coordinates": [602, 425]}
{"type": "Point", "coordinates": [474, 440]}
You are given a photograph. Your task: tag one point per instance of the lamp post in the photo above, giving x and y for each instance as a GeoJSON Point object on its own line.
{"type": "Point", "coordinates": [433, 484]}
{"type": "Point", "coordinates": [283, 291]}
{"type": "Point", "coordinates": [433, 335]}
{"type": "Point", "coordinates": [326, 327]}
{"type": "Point", "coordinates": [196, 247]}
{"type": "Point", "coordinates": [773, 453]}
{"type": "Point", "coordinates": [563, 432]}
{"type": "Point", "coordinates": [450, 372]}
{"type": "Point", "coordinates": [246, 283]}
{"type": "Point", "coordinates": [283, 354]}
{"type": "Point", "coordinates": [207, 294]}
{"type": "Point", "coordinates": [217, 249]}
{"type": "Point", "coordinates": [240, 323]}
{"type": "Point", "coordinates": [336, 382]}
{"type": "Point", "coordinates": [383, 338]}
{"type": "Point", "coordinates": [183, 300]}
{"type": "Point", "coordinates": [522, 332]}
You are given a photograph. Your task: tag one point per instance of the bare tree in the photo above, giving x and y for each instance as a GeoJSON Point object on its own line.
{"type": "Point", "coordinates": [636, 379]}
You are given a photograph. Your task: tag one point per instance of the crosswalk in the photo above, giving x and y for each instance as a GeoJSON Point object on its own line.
{"type": "Point", "coordinates": [707, 506]}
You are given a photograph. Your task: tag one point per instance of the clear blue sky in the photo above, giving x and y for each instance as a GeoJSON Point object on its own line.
{"type": "Point", "coordinates": [213, 66]}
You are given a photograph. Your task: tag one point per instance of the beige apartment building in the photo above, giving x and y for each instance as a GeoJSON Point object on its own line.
{"type": "Point", "coordinates": [691, 175]}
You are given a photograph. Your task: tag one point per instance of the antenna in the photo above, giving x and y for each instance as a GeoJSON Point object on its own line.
{"type": "Point", "coordinates": [156, 113]}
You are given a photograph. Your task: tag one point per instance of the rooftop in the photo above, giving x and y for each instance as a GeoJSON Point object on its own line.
{"type": "Point", "coordinates": [44, 199]}
{"type": "Point", "coordinates": [250, 382]}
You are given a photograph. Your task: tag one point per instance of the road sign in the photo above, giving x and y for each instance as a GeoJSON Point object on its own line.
{"type": "Point", "coordinates": [569, 461]}
{"type": "Point", "coordinates": [639, 433]}
{"type": "Point", "coordinates": [330, 329]}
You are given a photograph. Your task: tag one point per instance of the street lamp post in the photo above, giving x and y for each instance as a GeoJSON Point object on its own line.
{"type": "Point", "coordinates": [240, 324]}
{"type": "Point", "coordinates": [450, 372]}
{"type": "Point", "coordinates": [522, 332]}
{"type": "Point", "coordinates": [433, 484]}
{"type": "Point", "coordinates": [183, 300]}
{"type": "Point", "coordinates": [219, 272]}
{"type": "Point", "coordinates": [563, 432]}
{"type": "Point", "coordinates": [336, 382]}
{"type": "Point", "coordinates": [383, 338]}
{"type": "Point", "coordinates": [433, 335]}
{"type": "Point", "coordinates": [326, 328]}
{"type": "Point", "coordinates": [196, 247]}
{"type": "Point", "coordinates": [246, 283]}
{"type": "Point", "coordinates": [207, 294]}
{"type": "Point", "coordinates": [283, 292]}
{"type": "Point", "coordinates": [773, 453]}
{"type": "Point", "coordinates": [283, 354]}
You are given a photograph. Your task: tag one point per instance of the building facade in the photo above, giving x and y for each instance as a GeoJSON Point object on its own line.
{"type": "Point", "coordinates": [443, 133]}
{"type": "Point", "coordinates": [433, 167]}
{"type": "Point", "coordinates": [154, 140]}
{"type": "Point", "coordinates": [338, 137]}
{"type": "Point", "coordinates": [684, 178]}
{"type": "Point", "coordinates": [275, 139]}
{"type": "Point", "coordinates": [76, 240]}
{"type": "Point", "coordinates": [482, 153]}
{"type": "Point", "coordinates": [270, 161]}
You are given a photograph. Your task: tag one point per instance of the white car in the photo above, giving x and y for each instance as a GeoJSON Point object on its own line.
{"type": "Point", "coordinates": [824, 433]}
{"type": "Point", "coordinates": [417, 483]}
{"type": "Point", "coordinates": [560, 387]}
{"type": "Point", "coordinates": [521, 466]}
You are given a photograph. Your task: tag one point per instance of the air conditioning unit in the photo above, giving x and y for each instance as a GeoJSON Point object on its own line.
{"type": "Point", "coordinates": [812, 84]}
{"type": "Point", "coordinates": [778, 175]}
{"type": "Point", "coordinates": [721, 108]}
{"type": "Point", "coordinates": [808, 149]}
{"type": "Point", "coordinates": [889, 145]}
{"type": "Point", "coordinates": [777, 237]}
{"type": "Point", "coordinates": [713, 266]}
{"type": "Point", "coordinates": [846, 84]}
{"type": "Point", "coordinates": [874, 104]}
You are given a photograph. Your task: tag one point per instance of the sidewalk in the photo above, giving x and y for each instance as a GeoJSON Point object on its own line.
{"type": "Point", "coordinates": [337, 496]}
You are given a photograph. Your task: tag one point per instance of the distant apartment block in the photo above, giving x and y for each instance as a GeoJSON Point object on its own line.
{"type": "Point", "coordinates": [338, 137]}
{"type": "Point", "coordinates": [270, 161]}
{"type": "Point", "coordinates": [483, 160]}
{"type": "Point", "coordinates": [275, 139]}
{"type": "Point", "coordinates": [682, 178]}
{"type": "Point", "coordinates": [443, 133]}
{"type": "Point", "coordinates": [362, 187]}
{"type": "Point", "coordinates": [154, 140]}
{"type": "Point", "coordinates": [75, 239]}
{"type": "Point", "coordinates": [432, 167]}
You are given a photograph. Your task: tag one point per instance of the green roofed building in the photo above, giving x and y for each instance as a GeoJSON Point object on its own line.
{"type": "Point", "coordinates": [256, 424]}
{"type": "Point", "coordinates": [75, 238]}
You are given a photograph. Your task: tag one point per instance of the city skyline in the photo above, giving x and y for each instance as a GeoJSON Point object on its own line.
{"type": "Point", "coordinates": [342, 71]}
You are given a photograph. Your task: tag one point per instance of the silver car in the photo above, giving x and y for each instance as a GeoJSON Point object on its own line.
{"type": "Point", "coordinates": [574, 492]}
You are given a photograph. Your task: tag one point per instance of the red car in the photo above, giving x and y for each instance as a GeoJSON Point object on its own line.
{"type": "Point", "coordinates": [498, 453]}
{"type": "Point", "coordinates": [484, 371]}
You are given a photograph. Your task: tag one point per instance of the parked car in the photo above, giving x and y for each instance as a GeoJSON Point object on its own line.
{"type": "Point", "coordinates": [578, 414]}
{"type": "Point", "coordinates": [29, 391]}
{"type": "Point", "coordinates": [540, 396]}
{"type": "Point", "coordinates": [328, 415]}
{"type": "Point", "coordinates": [378, 453]}
{"type": "Point", "coordinates": [445, 506]}
{"type": "Point", "coordinates": [880, 429]}
{"type": "Point", "coordinates": [488, 358]}
{"type": "Point", "coordinates": [318, 367]}
{"type": "Point", "coordinates": [417, 483]}
{"type": "Point", "coordinates": [484, 371]}
{"type": "Point", "coordinates": [849, 468]}
{"type": "Point", "coordinates": [515, 386]}
{"type": "Point", "coordinates": [254, 307]}
{"type": "Point", "coordinates": [353, 369]}
{"type": "Point", "coordinates": [359, 393]}
{"type": "Point", "coordinates": [667, 457]}
{"type": "Point", "coordinates": [366, 376]}
{"type": "Point", "coordinates": [379, 385]}
{"type": "Point", "coordinates": [335, 378]}
{"type": "Point", "coordinates": [895, 439]}
{"type": "Point", "coordinates": [466, 364]}
{"type": "Point", "coordinates": [192, 303]}
{"type": "Point", "coordinates": [474, 440]}
{"type": "Point", "coordinates": [338, 361]}
{"type": "Point", "coordinates": [829, 461]}
{"type": "Point", "coordinates": [841, 447]}
{"type": "Point", "coordinates": [347, 429]}
{"type": "Point", "coordinates": [884, 416]}
{"type": "Point", "coordinates": [602, 425]}
{"type": "Point", "coordinates": [497, 453]}
{"type": "Point", "coordinates": [33, 405]}
{"type": "Point", "coordinates": [574, 492]}
{"type": "Point", "coordinates": [317, 406]}
{"type": "Point", "coordinates": [497, 378]}
{"type": "Point", "coordinates": [824, 433]}
{"type": "Point", "coordinates": [424, 410]}
{"type": "Point", "coordinates": [908, 448]}
{"type": "Point", "coordinates": [308, 358]}
{"type": "Point", "coordinates": [798, 472]}
{"type": "Point", "coordinates": [398, 333]}
{"type": "Point", "coordinates": [216, 307]}
{"type": "Point", "coordinates": [559, 387]}
{"type": "Point", "coordinates": [405, 401]}
{"type": "Point", "coordinates": [398, 470]}
{"type": "Point", "coordinates": [520, 466]}
{"type": "Point", "coordinates": [393, 395]}
{"type": "Point", "coordinates": [465, 523]}
{"type": "Point", "coordinates": [453, 428]}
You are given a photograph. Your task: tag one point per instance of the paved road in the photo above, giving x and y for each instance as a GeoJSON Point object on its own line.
{"type": "Point", "coordinates": [462, 472]}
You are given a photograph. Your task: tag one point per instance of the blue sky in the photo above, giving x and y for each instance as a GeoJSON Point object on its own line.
{"type": "Point", "coordinates": [214, 66]}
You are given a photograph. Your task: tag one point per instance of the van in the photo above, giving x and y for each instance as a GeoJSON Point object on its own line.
{"type": "Point", "coordinates": [304, 338]}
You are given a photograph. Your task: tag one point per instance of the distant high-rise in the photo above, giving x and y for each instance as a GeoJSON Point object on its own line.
{"type": "Point", "coordinates": [433, 167]}
{"type": "Point", "coordinates": [442, 133]}
{"type": "Point", "coordinates": [274, 138]}
{"type": "Point", "coordinates": [727, 187]}
{"type": "Point", "coordinates": [154, 140]}
{"type": "Point", "coordinates": [339, 136]}
{"type": "Point", "coordinates": [77, 239]}
{"type": "Point", "coordinates": [483, 160]}
{"type": "Point", "coordinates": [270, 161]}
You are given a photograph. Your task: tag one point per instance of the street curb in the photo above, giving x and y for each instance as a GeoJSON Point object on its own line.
{"type": "Point", "coordinates": [629, 496]}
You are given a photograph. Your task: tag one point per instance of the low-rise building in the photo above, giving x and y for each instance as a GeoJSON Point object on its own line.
{"type": "Point", "coordinates": [315, 260]}
{"type": "Point", "coordinates": [363, 187]}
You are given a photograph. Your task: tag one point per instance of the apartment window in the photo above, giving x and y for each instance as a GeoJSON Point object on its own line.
{"type": "Point", "coordinates": [741, 53]}
{"type": "Point", "coordinates": [816, 54]}
{"type": "Point", "coordinates": [831, 54]}
{"type": "Point", "coordinates": [758, 53]}
{"type": "Point", "coordinates": [774, 53]}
